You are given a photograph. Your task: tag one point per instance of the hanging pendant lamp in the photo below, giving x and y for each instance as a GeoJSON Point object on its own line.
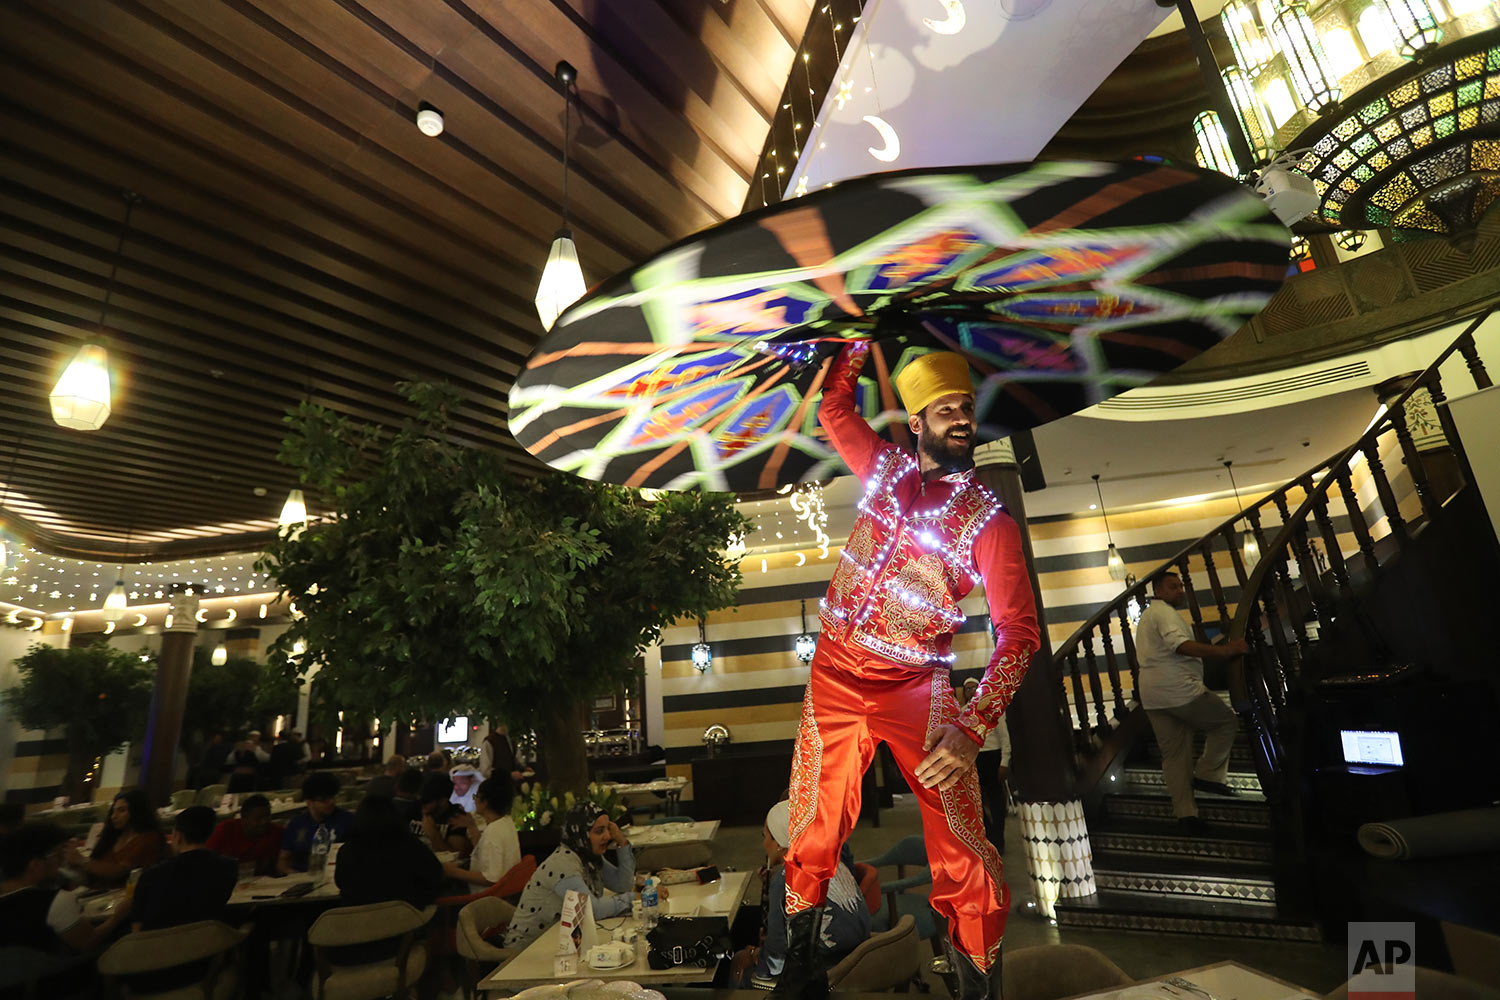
{"type": "Point", "coordinates": [807, 645]}
{"type": "Point", "coordinates": [703, 656]}
{"type": "Point", "coordinates": [562, 277]}
{"type": "Point", "coordinates": [1251, 550]}
{"type": "Point", "coordinates": [1116, 564]}
{"type": "Point", "coordinates": [117, 603]}
{"type": "Point", "coordinates": [81, 398]}
{"type": "Point", "coordinates": [220, 656]}
{"type": "Point", "coordinates": [293, 516]}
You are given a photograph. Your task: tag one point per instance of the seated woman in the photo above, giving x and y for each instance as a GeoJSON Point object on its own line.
{"type": "Point", "coordinates": [846, 918]}
{"type": "Point", "coordinates": [131, 839]}
{"type": "Point", "coordinates": [499, 847]}
{"type": "Point", "coordinates": [382, 861]}
{"type": "Point", "coordinates": [578, 863]}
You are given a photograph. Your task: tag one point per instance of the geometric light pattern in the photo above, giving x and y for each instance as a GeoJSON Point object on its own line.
{"type": "Point", "coordinates": [1254, 118]}
{"type": "Point", "coordinates": [1416, 25]}
{"type": "Point", "coordinates": [1421, 156]}
{"type": "Point", "coordinates": [1252, 50]}
{"type": "Point", "coordinates": [1062, 282]}
{"type": "Point", "coordinates": [1213, 151]}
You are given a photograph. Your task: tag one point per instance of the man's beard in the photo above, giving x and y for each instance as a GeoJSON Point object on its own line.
{"type": "Point", "coordinates": [955, 456]}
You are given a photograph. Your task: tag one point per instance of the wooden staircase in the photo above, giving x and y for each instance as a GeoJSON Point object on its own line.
{"type": "Point", "coordinates": [1154, 876]}
{"type": "Point", "coordinates": [1318, 605]}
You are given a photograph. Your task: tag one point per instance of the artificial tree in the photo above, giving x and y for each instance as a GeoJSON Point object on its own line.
{"type": "Point", "coordinates": [440, 584]}
{"type": "Point", "coordinates": [231, 697]}
{"type": "Point", "coordinates": [96, 695]}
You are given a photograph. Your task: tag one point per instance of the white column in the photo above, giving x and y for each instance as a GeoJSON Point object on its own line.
{"type": "Point", "coordinates": [1058, 856]}
{"type": "Point", "coordinates": [655, 717]}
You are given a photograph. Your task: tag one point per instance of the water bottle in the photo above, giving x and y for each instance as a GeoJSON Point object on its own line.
{"type": "Point", "coordinates": [649, 903]}
{"type": "Point", "coordinates": [317, 858]}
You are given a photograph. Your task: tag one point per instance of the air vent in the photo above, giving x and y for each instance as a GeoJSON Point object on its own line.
{"type": "Point", "coordinates": [1128, 402]}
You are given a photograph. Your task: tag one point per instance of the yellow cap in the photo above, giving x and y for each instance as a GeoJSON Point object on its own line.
{"type": "Point", "coordinates": [931, 377]}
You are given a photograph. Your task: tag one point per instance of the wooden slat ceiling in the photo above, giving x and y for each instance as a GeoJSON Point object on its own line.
{"type": "Point", "coordinates": [298, 237]}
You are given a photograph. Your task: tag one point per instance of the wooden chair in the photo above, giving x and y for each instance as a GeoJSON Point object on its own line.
{"type": "Point", "coordinates": [169, 948]}
{"type": "Point", "coordinates": [888, 961]}
{"type": "Point", "coordinates": [480, 922]}
{"type": "Point", "coordinates": [908, 851]}
{"type": "Point", "coordinates": [350, 925]}
{"type": "Point", "coordinates": [1052, 971]}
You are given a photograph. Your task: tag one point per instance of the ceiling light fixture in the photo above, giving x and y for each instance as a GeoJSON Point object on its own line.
{"type": "Point", "coordinates": [429, 120]}
{"type": "Point", "coordinates": [562, 278]}
{"type": "Point", "coordinates": [81, 398]}
{"type": "Point", "coordinates": [1115, 562]}
{"type": "Point", "coordinates": [220, 656]}
{"type": "Point", "coordinates": [293, 515]}
{"type": "Point", "coordinates": [117, 603]}
{"type": "Point", "coordinates": [1251, 550]}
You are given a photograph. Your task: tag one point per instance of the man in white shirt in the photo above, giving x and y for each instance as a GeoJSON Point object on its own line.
{"type": "Point", "coordinates": [1177, 703]}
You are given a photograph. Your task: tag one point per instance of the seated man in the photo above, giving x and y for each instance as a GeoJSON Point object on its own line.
{"type": "Point", "coordinates": [319, 791]}
{"type": "Point", "coordinates": [408, 792]}
{"type": "Point", "coordinates": [385, 784]}
{"type": "Point", "coordinates": [36, 914]}
{"type": "Point", "coordinates": [440, 823]}
{"type": "Point", "coordinates": [846, 918]}
{"type": "Point", "coordinates": [250, 838]}
{"type": "Point", "coordinates": [192, 885]}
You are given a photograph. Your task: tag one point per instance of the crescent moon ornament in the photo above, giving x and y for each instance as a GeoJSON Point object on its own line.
{"type": "Point", "coordinates": [36, 623]}
{"type": "Point", "coordinates": [892, 147]}
{"type": "Point", "coordinates": [201, 615]}
{"type": "Point", "coordinates": [801, 558]}
{"type": "Point", "coordinates": [233, 614]}
{"type": "Point", "coordinates": [953, 23]}
{"type": "Point", "coordinates": [14, 618]}
{"type": "Point", "coordinates": [140, 620]}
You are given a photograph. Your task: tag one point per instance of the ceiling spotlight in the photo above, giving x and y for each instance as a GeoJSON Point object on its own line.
{"type": "Point", "coordinates": [429, 120]}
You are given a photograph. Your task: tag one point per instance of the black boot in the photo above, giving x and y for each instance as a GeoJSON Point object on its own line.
{"type": "Point", "coordinates": [803, 975]}
{"type": "Point", "coordinates": [973, 984]}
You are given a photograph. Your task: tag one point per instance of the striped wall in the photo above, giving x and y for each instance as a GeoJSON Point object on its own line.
{"type": "Point", "coordinates": [755, 684]}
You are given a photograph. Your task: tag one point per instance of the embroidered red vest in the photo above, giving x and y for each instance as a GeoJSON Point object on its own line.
{"type": "Point", "coordinates": [898, 584]}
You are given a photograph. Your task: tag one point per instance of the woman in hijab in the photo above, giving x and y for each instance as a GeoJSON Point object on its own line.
{"type": "Point", "coordinates": [578, 863]}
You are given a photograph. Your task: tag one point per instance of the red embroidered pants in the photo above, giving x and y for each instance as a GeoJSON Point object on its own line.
{"type": "Point", "coordinates": [854, 701]}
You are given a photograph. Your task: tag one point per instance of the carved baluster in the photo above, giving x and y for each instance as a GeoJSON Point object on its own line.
{"type": "Point", "coordinates": [1289, 601]}
{"type": "Point", "coordinates": [1131, 663]}
{"type": "Point", "coordinates": [1231, 542]}
{"type": "Point", "coordinates": [1253, 516]}
{"type": "Point", "coordinates": [1096, 685]}
{"type": "Point", "coordinates": [1306, 567]}
{"type": "Point", "coordinates": [1414, 462]}
{"type": "Point", "coordinates": [1357, 519]}
{"type": "Point", "coordinates": [1476, 366]}
{"type": "Point", "coordinates": [1192, 599]}
{"type": "Point", "coordinates": [1207, 551]}
{"type": "Point", "coordinates": [1336, 563]}
{"type": "Point", "coordinates": [1383, 489]}
{"type": "Point", "coordinates": [1080, 701]}
{"type": "Point", "coordinates": [1114, 668]}
{"type": "Point", "coordinates": [1281, 658]}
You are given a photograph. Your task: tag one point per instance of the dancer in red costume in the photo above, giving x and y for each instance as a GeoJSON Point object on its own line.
{"type": "Point", "coordinates": [926, 535]}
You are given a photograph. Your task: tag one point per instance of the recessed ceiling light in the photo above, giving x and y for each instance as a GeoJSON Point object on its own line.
{"type": "Point", "coordinates": [430, 120]}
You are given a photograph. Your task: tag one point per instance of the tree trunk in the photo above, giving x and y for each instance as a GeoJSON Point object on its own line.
{"type": "Point", "coordinates": [80, 758]}
{"type": "Point", "coordinates": [562, 749]}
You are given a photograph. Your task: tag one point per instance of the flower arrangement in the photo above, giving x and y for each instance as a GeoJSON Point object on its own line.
{"type": "Point", "coordinates": [537, 808]}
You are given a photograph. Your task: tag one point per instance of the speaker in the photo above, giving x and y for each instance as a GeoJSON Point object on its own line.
{"type": "Point", "coordinates": [1030, 464]}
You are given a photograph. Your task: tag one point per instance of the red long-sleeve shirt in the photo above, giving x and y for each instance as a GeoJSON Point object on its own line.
{"type": "Point", "coordinates": [916, 550]}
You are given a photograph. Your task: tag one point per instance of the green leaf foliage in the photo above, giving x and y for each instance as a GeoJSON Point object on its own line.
{"type": "Point", "coordinates": [234, 696]}
{"type": "Point", "coordinates": [439, 584]}
{"type": "Point", "coordinates": [96, 695]}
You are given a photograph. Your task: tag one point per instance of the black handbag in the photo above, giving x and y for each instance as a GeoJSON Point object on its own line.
{"type": "Point", "coordinates": [692, 941]}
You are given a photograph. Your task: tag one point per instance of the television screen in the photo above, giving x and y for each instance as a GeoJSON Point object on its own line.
{"type": "Point", "coordinates": [1363, 746]}
{"type": "Point", "coordinates": [454, 730]}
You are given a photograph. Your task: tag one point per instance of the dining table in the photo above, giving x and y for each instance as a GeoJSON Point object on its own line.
{"type": "Point", "coordinates": [1228, 980]}
{"type": "Point", "coordinates": [663, 834]}
{"type": "Point", "coordinates": [534, 965]}
{"type": "Point", "coordinates": [669, 788]}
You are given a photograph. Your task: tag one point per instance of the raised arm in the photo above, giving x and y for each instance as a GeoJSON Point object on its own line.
{"type": "Point", "coordinates": [850, 435]}
{"type": "Point", "coordinates": [1007, 588]}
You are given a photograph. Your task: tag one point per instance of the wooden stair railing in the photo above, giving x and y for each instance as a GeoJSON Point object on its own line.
{"type": "Point", "coordinates": [1269, 608]}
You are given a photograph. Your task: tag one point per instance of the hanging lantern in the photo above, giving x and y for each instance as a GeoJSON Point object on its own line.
{"type": "Point", "coordinates": [1213, 145]}
{"type": "Point", "coordinates": [293, 514]}
{"type": "Point", "coordinates": [80, 400]}
{"type": "Point", "coordinates": [1252, 52]}
{"type": "Point", "coordinates": [1349, 239]}
{"type": "Point", "coordinates": [562, 280]}
{"type": "Point", "coordinates": [220, 656]}
{"type": "Point", "coordinates": [1294, 36]}
{"type": "Point", "coordinates": [703, 656]}
{"type": "Point", "coordinates": [1250, 552]}
{"type": "Point", "coordinates": [806, 645]}
{"type": "Point", "coordinates": [1117, 569]}
{"type": "Point", "coordinates": [116, 603]}
{"type": "Point", "coordinates": [1254, 117]}
{"type": "Point", "coordinates": [1415, 24]}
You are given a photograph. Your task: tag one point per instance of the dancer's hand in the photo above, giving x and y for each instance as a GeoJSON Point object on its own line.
{"type": "Point", "coordinates": [951, 754]}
